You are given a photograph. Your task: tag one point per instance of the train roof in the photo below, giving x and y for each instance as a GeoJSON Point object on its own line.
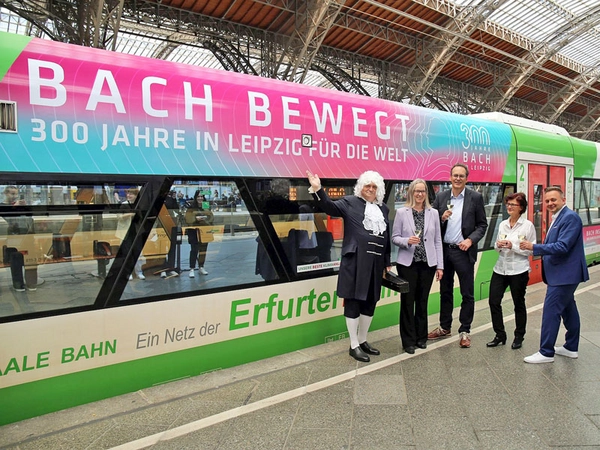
{"type": "Point", "coordinates": [522, 122]}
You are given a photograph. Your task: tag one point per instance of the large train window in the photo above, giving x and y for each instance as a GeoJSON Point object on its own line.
{"type": "Point", "coordinates": [308, 239]}
{"type": "Point", "coordinates": [204, 238]}
{"type": "Point", "coordinates": [493, 194]}
{"type": "Point", "coordinates": [54, 238]}
{"type": "Point", "coordinates": [587, 201]}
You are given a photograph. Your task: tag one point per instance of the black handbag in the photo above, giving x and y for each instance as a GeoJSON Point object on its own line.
{"type": "Point", "coordinates": [394, 282]}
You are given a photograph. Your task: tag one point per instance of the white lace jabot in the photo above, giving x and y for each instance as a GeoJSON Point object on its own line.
{"type": "Point", "coordinates": [374, 220]}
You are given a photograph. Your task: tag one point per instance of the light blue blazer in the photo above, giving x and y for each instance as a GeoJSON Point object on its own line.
{"type": "Point", "coordinates": [404, 228]}
{"type": "Point", "coordinates": [563, 256]}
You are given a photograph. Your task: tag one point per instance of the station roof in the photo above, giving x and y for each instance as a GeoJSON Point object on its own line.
{"type": "Point", "coordinates": [544, 54]}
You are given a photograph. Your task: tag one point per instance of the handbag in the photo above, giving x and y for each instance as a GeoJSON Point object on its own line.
{"type": "Point", "coordinates": [394, 282]}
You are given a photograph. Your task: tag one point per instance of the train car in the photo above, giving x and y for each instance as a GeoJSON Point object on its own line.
{"type": "Point", "coordinates": [98, 296]}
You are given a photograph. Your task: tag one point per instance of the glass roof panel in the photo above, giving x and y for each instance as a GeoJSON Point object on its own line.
{"type": "Point", "coordinates": [544, 20]}
{"type": "Point", "coordinates": [540, 21]}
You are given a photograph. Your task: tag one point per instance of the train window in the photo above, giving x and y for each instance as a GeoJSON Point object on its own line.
{"type": "Point", "coordinates": [8, 116]}
{"type": "Point", "coordinates": [493, 194]}
{"type": "Point", "coordinates": [204, 238]}
{"type": "Point", "coordinates": [587, 201]}
{"type": "Point", "coordinates": [310, 240]}
{"type": "Point", "coordinates": [51, 248]}
{"type": "Point", "coordinates": [66, 194]}
{"type": "Point", "coordinates": [47, 260]}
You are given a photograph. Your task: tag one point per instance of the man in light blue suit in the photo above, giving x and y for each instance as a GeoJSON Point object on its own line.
{"type": "Point", "coordinates": [563, 268]}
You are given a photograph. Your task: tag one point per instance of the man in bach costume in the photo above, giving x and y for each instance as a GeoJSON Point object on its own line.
{"type": "Point", "coordinates": [365, 253]}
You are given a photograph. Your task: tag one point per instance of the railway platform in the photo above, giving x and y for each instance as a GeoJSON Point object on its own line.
{"type": "Point", "coordinates": [444, 397]}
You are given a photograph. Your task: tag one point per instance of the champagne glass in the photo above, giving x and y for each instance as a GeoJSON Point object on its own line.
{"type": "Point", "coordinates": [521, 237]}
{"type": "Point", "coordinates": [501, 237]}
{"type": "Point", "coordinates": [418, 232]}
{"type": "Point", "coordinates": [450, 205]}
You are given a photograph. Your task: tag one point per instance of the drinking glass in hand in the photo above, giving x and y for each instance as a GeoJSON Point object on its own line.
{"type": "Point", "coordinates": [450, 205]}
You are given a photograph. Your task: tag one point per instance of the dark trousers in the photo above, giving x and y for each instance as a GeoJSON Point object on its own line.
{"type": "Point", "coordinates": [354, 308]}
{"type": "Point", "coordinates": [560, 304]}
{"type": "Point", "coordinates": [17, 264]}
{"type": "Point", "coordinates": [457, 261]}
{"type": "Point", "coordinates": [518, 287]}
{"type": "Point", "coordinates": [413, 304]}
{"type": "Point", "coordinates": [197, 248]}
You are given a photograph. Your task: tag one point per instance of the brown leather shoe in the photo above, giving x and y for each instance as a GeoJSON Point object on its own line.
{"type": "Point", "coordinates": [465, 340]}
{"type": "Point", "coordinates": [439, 333]}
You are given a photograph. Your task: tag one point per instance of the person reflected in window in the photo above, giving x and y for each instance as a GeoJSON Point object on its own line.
{"type": "Point", "coordinates": [199, 234]}
{"type": "Point", "coordinates": [18, 225]}
{"type": "Point", "coordinates": [511, 269]}
{"type": "Point", "coordinates": [11, 196]}
{"type": "Point", "coordinates": [124, 224]}
{"type": "Point", "coordinates": [365, 253]}
{"type": "Point", "coordinates": [171, 201]}
{"type": "Point", "coordinates": [417, 234]}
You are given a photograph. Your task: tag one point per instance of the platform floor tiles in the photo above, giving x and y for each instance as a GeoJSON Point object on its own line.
{"type": "Point", "coordinates": [444, 397]}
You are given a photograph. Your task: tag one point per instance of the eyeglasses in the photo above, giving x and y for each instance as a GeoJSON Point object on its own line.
{"type": "Point", "coordinates": [370, 187]}
{"type": "Point", "coordinates": [513, 205]}
{"type": "Point", "coordinates": [456, 175]}
{"type": "Point", "coordinates": [419, 191]}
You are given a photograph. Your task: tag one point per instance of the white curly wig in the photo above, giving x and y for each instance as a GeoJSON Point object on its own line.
{"type": "Point", "coordinates": [370, 177]}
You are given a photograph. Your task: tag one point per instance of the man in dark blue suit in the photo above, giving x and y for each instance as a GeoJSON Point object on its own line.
{"type": "Point", "coordinates": [563, 268]}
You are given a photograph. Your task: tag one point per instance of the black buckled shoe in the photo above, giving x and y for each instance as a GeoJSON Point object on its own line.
{"type": "Point", "coordinates": [517, 343]}
{"type": "Point", "coordinates": [496, 341]}
{"type": "Point", "coordinates": [368, 349]}
{"type": "Point", "coordinates": [359, 355]}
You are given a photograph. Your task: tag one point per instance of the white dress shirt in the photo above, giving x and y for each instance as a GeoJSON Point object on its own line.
{"type": "Point", "coordinates": [453, 233]}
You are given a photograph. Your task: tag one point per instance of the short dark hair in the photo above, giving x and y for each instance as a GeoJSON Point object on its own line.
{"type": "Point", "coordinates": [554, 188]}
{"type": "Point", "coordinates": [460, 165]}
{"type": "Point", "coordinates": [520, 198]}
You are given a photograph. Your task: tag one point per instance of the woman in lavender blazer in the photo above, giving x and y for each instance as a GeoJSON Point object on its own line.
{"type": "Point", "coordinates": [417, 233]}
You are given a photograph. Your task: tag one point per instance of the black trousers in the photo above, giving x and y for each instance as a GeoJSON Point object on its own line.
{"type": "Point", "coordinates": [17, 264]}
{"type": "Point", "coordinates": [518, 287]}
{"type": "Point", "coordinates": [457, 261]}
{"type": "Point", "coordinates": [197, 248]}
{"type": "Point", "coordinates": [413, 304]}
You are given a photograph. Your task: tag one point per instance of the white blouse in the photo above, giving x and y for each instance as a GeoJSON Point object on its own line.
{"type": "Point", "coordinates": [513, 261]}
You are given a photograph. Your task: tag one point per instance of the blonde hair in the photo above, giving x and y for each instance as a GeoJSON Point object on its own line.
{"type": "Point", "coordinates": [410, 193]}
{"type": "Point", "coordinates": [370, 177]}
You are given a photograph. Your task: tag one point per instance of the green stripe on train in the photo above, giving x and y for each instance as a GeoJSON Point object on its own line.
{"type": "Point", "coordinates": [53, 394]}
{"type": "Point", "coordinates": [66, 391]}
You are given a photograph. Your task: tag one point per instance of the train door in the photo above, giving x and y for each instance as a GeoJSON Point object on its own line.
{"type": "Point", "coordinates": [538, 177]}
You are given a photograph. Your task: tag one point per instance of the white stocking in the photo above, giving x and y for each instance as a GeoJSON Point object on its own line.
{"type": "Point", "coordinates": [352, 325]}
{"type": "Point", "coordinates": [364, 322]}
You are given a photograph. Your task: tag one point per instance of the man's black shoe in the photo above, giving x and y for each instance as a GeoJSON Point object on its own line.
{"type": "Point", "coordinates": [368, 349]}
{"type": "Point", "coordinates": [359, 355]}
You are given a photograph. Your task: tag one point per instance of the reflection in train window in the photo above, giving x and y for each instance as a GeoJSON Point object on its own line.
{"type": "Point", "coordinates": [493, 195]}
{"type": "Point", "coordinates": [203, 238]}
{"type": "Point", "coordinates": [587, 201]}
